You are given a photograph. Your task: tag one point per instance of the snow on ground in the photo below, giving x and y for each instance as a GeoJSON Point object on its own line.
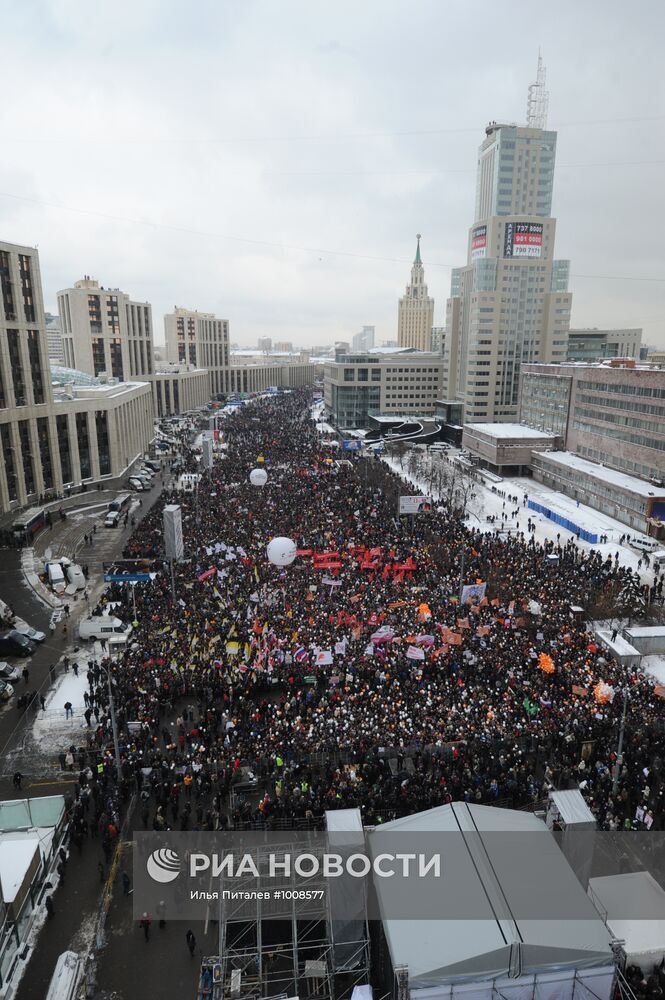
{"type": "Point", "coordinates": [654, 665]}
{"type": "Point", "coordinates": [51, 730]}
{"type": "Point", "coordinates": [490, 504]}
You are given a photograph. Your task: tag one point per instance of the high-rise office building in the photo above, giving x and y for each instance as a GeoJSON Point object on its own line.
{"type": "Point", "coordinates": [416, 310]}
{"type": "Point", "coordinates": [104, 331]}
{"type": "Point", "coordinates": [363, 341]}
{"type": "Point", "coordinates": [510, 303]}
{"type": "Point", "coordinates": [54, 344]}
{"type": "Point", "coordinates": [199, 339]}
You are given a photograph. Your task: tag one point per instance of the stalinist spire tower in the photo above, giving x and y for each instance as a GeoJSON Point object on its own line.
{"type": "Point", "coordinates": [416, 310]}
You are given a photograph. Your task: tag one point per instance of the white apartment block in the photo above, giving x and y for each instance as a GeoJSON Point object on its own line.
{"type": "Point", "coordinates": [510, 303]}
{"type": "Point", "coordinates": [199, 339]}
{"type": "Point", "coordinates": [51, 439]}
{"type": "Point", "coordinates": [401, 382]}
{"type": "Point", "coordinates": [104, 331]}
{"type": "Point", "coordinates": [416, 310]}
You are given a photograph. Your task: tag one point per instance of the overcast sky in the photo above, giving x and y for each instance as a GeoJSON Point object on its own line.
{"type": "Point", "coordinates": [272, 160]}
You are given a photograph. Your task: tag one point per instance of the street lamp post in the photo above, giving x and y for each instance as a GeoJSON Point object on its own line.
{"type": "Point", "coordinates": [622, 728]}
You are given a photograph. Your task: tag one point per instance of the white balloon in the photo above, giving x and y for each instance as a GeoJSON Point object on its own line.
{"type": "Point", "coordinates": [258, 477]}
{"type": "Point", "coordinates": [281, 551]}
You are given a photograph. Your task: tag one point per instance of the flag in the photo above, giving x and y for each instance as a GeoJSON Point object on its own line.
{"type": "Point", "coordinates": [301, 654]}
{"type": "Point", "coordinates": [233, 648]}
{"type": "Point", "coordinates": [340, 648]}
{"type": "Point", "coordinates": [413, 653]}
{"type": "Point", "coordinates": [659, 690]}
{"type": "Point", "coordinates": [581, 691]}
{"type": "Point", "coordinates": [208, 572]}
{"type": "Point", "coordinates": [324, 657]}
{"type": "Point", "coordinates": [383, 634]}
{"type": "Point", "coordinates": [546, 663]}
{"type": "Point", "coordinates": [425, 640]}
{"type": "Point", "coordinates": [529, 708]}
{"type": "Point", "coordinates": [483, 630]}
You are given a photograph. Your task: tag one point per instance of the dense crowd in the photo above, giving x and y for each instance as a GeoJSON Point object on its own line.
{"type": "Point", "coordinates": [355, 676]}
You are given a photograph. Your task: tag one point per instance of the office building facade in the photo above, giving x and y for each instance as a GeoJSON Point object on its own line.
{"type": "Point", "coordinates": [179, 389]}
{"type": "Point", "coordinates": [592, 344]}
{"type": "Point", "coordinates": [105, 332]}
{"type": "Point", "coordinates": [612, 413]}
{"type": "Point", "coordinates": [199, 339]}
{"type": "Point", "coordinates": [54, 438]}
{"type": "Point", "coordinates": [510, 304]}
{"type": "Point", "coordinates": [416, 310]}
{"type": "Point", "coordinates": [398, 383]}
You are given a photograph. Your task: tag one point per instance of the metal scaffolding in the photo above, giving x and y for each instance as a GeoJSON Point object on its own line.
{"type": "Point", "coordinates": [283, 945]}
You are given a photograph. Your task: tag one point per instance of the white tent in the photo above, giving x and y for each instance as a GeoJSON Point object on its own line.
{"type": "Point", "coordinates": [633, 905]}
{"type": "Point", "coordinates": [486, 948]}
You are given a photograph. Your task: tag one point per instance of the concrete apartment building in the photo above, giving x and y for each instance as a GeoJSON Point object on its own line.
{"type": "Point", "coordinates": [50, 439]}
{"type": "Point", "coordinates": [416, 310]}
{"type": "Point", "coordinates": [612, 413]}
{"type": "Point", "coordinates": [592, 344]}
{"type": "Point", "coordinates": [104, 331]}
{"type": "Point", "coordinates": [391, 383]}
{"type": "Point", "coordinates": [199, 339]}
{"type": "Point", "coordinates": [510, 304]}
{"type": "Point", "coordinates": [54, 345]}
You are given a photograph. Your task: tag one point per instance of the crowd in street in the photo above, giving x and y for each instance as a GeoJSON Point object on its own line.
{"type": "Point", "coordinates": [355, 676]}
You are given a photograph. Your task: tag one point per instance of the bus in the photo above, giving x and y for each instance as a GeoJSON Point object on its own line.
{"type": "Point", "coordinates": [120, 503]}
{"type": "Point", "coordinates": [26, 526]}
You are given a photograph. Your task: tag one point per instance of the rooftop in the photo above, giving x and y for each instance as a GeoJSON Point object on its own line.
{"type": "Point", "coordinates": [509, 431]}
{"type": "Point", "coordinates": [621, 479]}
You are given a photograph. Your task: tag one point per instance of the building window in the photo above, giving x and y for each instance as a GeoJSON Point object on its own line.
{"type": "Point", "coordinates": [103, 448]}
{"type": "Point", "coordinates": [16, 367]}
{"type": "Point", "coordinates": [98, 356]}
{"type": "Point", "coordinates": [26, 455]}
{"type": "Point", "coordinates": [6, 283]}
{"type": "Point", "coordinates": [26, 287]}
{"type": "Point", "coordinates": [95, 314]}
{"type": "Point", "coordinates": [35, 366]}
{"type": "Point", "coordinates": [10, 467]}
{"type": "Point", "coordinates": [116, 359]}
{"type": "Point", "coordinates": [45, 452]}
{"type": "Point", "coordinates": [84, 444]}
{"type": "Point", "coordinates": [62, 430]}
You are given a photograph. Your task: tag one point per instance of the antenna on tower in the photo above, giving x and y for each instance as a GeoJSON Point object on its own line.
{"type": "Point", "coordinates": [538, 99]}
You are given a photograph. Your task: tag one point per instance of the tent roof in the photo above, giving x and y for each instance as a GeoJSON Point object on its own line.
{"type": "Point", "coordinates": [572, 807]}
{"type": "Point", "coordinates": [496, 877]}
{"type": "Point", "coordinates": [634, 906]}
{"type": "Point", "coordinates": [345, 820]}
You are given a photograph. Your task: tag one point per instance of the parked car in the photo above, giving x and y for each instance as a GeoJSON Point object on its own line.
{"type": "Point", "coordinates": [6, 691]}
{"type": "Point", "coordinates": [111, 519]}
{"type": "Point", "coordinates": [32, 633]}
{"type": "Point", "coordinates": [153, 464]}
{"type": "Point", "coordinates": [13, 643]}
{"type": "Point", "coordinates": [136, 484]}
{"type": "Point", "coordinates": [9, 673]}
{"type": "Point", "coordinates": [145, 470]}
{"type": "Point", "coordinates": [104, 627]}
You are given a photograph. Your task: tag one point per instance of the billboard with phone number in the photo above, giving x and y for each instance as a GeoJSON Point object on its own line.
{"type": "Point", "coordinates": [478, 242]}
{"type": "Point", "coordinates": [523, 239]}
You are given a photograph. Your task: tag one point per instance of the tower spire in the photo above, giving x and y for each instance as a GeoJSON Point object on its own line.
{"type": "Point", "coordinates": [418, 260]}
{"type": "Point", "coordinates": [538, 99]}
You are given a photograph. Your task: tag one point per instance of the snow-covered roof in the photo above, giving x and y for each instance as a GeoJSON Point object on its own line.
{"type": "Point", "coordinates": [16, 856]}
{"type": "Point", "coordinates": [601, 472]}
{"type": "Point", "coordinates": [509, 431]}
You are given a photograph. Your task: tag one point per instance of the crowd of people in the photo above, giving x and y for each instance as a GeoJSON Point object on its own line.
{"type": "Point", "coordinates": [355, 676]}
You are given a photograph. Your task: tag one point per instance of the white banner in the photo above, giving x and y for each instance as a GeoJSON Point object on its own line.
{"type": "Point", "coordinates": [414, 505]}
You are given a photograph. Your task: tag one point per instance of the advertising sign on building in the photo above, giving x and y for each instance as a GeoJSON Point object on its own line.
{"type": "Point", "coordinates": [523, 239]}
{"type": "Point", "coordinates": [415, 505]}
{"type": "Point", "coordinates": [478, 242]}
{"type": "Point", "coordinates": [352, 444]}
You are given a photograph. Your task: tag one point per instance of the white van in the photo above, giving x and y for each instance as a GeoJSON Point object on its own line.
{"type": "Point", "coordinates": [112, 518]}
{"type": "Point", "coordinates": [75, 576]}
{"type": "Point", "coordinates": [104, 627]}
{"type": "Point", "coordinates": [56, 577]}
